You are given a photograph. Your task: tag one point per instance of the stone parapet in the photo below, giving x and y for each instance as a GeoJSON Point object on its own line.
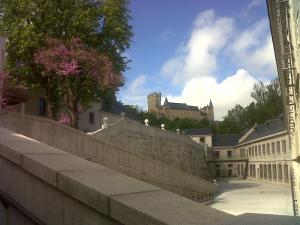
{"type": "Point", "coordinates": [58, 188]}
{"type": "Point", "coordinates": [101, 152]}
{"type": "Point", "coordinates": [167, 147]}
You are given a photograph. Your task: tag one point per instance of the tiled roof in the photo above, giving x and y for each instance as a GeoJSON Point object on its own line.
{"type": "Point", "coordinates": [270, 127]}
{"type": "Point", "coordinates": [198, 131]}
{"type": "Point", "coordinates": [180, 106]}
{"type": "Point", "coordinates": [222, 140]}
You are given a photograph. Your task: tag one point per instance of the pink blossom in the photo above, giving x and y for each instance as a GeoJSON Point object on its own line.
{"type": "Point", "coordinates": [64, 119]}
{"type": "Point", "coordinates": [71, 68]}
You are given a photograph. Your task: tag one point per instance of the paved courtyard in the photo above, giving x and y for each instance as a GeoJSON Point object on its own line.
{"type": "Point", "coordinates": [244, 196]}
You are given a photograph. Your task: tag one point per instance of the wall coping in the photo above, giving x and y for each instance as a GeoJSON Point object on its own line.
{"type": "Point", "coordinates": [118, 196]}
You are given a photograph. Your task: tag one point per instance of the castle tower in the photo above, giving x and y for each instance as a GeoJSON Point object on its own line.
{"type": "Point", "coordinates": [210, 111]}
{"type": "Point", "coordinates": [154, 102]}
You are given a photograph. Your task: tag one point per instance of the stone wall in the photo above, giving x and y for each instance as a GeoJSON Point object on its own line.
{"type": "Point", "coordinates": [45, 185]}
{"type": "Point", "coordinates": [104, 153]}
{"type": "Point", "coordinates": [166, 147]}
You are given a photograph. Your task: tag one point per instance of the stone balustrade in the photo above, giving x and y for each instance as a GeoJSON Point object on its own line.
{"type": "Point", "coordinates": [57, 188]}
{"type": "Point", "coordinates": [106, 154]}
{"type": "Point", "coordinates": [167, 147]}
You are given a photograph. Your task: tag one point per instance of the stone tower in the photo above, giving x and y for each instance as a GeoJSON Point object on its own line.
{"type": "Point", "coordinates": [210, 111]}
{"type": "Point", "coordinates": [154, 102]}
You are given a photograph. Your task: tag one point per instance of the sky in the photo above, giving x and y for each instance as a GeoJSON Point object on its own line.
{"type": "Point", "coordinates": [196, 50]}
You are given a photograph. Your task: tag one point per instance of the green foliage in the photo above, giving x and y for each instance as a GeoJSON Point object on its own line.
{"type": "Point", "coordinates": [268, 105]}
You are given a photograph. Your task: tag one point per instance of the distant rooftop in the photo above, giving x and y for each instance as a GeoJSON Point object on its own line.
{"type": "Point", "coordinates": [270, 127]}
{"type": "Point", "coordinates": [222, 140]}
{"type": "Point", "coordinates": [179, 106]}
{"type": "Point", "coordinates": [198, 131]}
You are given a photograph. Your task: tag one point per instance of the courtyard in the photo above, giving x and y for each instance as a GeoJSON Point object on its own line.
{"type": "Point", "coordinates": [239, 196]}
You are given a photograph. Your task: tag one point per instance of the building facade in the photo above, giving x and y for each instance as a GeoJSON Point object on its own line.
{"type": "Point", "coordinates": [261, 154]}
{"type": "Point", "coordinates": [285, 28]}
{"type": "Point", "coordinates": [266, 147]}
{"type": "Point", "coordinates": [174, 110]}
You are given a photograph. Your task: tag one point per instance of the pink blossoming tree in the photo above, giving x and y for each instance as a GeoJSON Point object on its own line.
{"type": "Point", "coordinates": [82, 73]}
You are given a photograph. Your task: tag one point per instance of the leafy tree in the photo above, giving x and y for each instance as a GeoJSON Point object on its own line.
{"type": "Point", "coordinates": [80, 72]}
{"type": "Point", "coordinates": [102, 25]}
{"type": "Point", "coordinates": [267, 105]}
{"type": "Point", "coordinates": [268, 100]}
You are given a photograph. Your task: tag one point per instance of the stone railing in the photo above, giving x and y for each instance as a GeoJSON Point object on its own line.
{"type": "Point", "coordinates": [104, 153]}
{"type": "Point", "coordinates": [169, 148]}
{"type": "Point", "coordinates": [40, 184]}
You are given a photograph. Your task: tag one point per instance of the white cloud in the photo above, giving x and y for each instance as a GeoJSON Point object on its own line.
{"type": "Point", "coordinates": [198, 57]}
{"type": "Point", "coordinates": [253, 50]}
{"type": "Point", "coordinates": [135, 93]}
{"type": "Point", "coordinates": [195, 64]}
{"type": "Point", "coordinates": [166, 35]}
{"type": "Point", "coordinates": [254, 3]}
{"type": "Point", "coordinates": [235, 89]}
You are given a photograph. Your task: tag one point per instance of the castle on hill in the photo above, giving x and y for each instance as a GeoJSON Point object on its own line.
{"type": "Point", "coordinates": [173, 110]}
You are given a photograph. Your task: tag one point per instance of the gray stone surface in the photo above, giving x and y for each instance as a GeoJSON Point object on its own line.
{"type": "Point", "coordinates": [94, 187]}
{"type": "Point", "coordinates": [162, 207]}
{"type": "Point", "coordinates": [46, 166]}
{"type": "Point", "coordinates": [263, 219]}
{"type": "Point", "coordinates": [101, 152]}
{"type": "Point", "coordinates": [246, 196]}
{"type": "Point", "coordinates": [16, 218]}
{"type": "Point", "coordinates": [13, 146]}
{"type": "Point", "coordinates": [3, 213]}
{"type": "Point", "coordinates": [76, 213]}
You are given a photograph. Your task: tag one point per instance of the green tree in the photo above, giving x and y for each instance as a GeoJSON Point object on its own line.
{"type": "Point", "coordinates": [102, 25]}
{"type": "Point", "coordinates": [81, 72]}
{"type": "Point", "coordinates": [268, 100]}
{"type": "Point", "coordinates": [267, 104]}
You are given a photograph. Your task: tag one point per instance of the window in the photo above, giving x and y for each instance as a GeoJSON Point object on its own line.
{"type": "Point", "coordinates": [264, 149]}
{"type": "Point", "coordinates": [278, 147]}
{"type": "Point", "coordinates": [42, 107]}
{"type": "Point", "coordinates": [273, 148]}
{"type": "Point", "coordinates": [259, 150]}
{"type": "Point", "coordinates": [218, 166]}
{"type": "Point", "coordinates": [229, 165]}
{"type": "Point", "coordinates": [229, 154]}
{"type": "Point", "coordinates": [255, 149]}
{"type": "Point", "coordinates": [202, 140]}
{"type": "Point", "coordinates": [283, 146]}
{"type": "Point", "coordinates": [268, 148]}
{"type": "Point", "coordinates": [91, 117]}
{"type": "Point", "coordinates": [242, 152]}
{"type": "Point", "coordinates": [217, 154]}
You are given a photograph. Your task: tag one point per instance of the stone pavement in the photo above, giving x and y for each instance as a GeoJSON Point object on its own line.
{"type": "Point", "coordinates": [244, 196]}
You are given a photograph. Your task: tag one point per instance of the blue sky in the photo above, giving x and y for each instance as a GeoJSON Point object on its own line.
{"type": "Point", "coordinates": [193, 51]}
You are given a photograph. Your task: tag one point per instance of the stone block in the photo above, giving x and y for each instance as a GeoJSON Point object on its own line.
{"type": "Point", "coordinates": [94, 187]}
{"type": "Point", "coordinates": [13, 148]}
{"type": "Point", "coordinates": [16, 218]}
{"type": "Point", "coordinates": [76, 213]}
{"type": "Point", "coordinates": [263, 219]}
{"type": "Point", "coordinates": [162, 207]}
{"type": "Point", "coordinates": [46, 166]}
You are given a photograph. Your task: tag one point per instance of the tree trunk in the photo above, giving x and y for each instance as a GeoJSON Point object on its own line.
{"type": "Point", "coordinates": [74, 117]}
{"type": "Point", "coordinates": [50, 110]}
{"type": "Point", "coordinates": [72, 104]}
